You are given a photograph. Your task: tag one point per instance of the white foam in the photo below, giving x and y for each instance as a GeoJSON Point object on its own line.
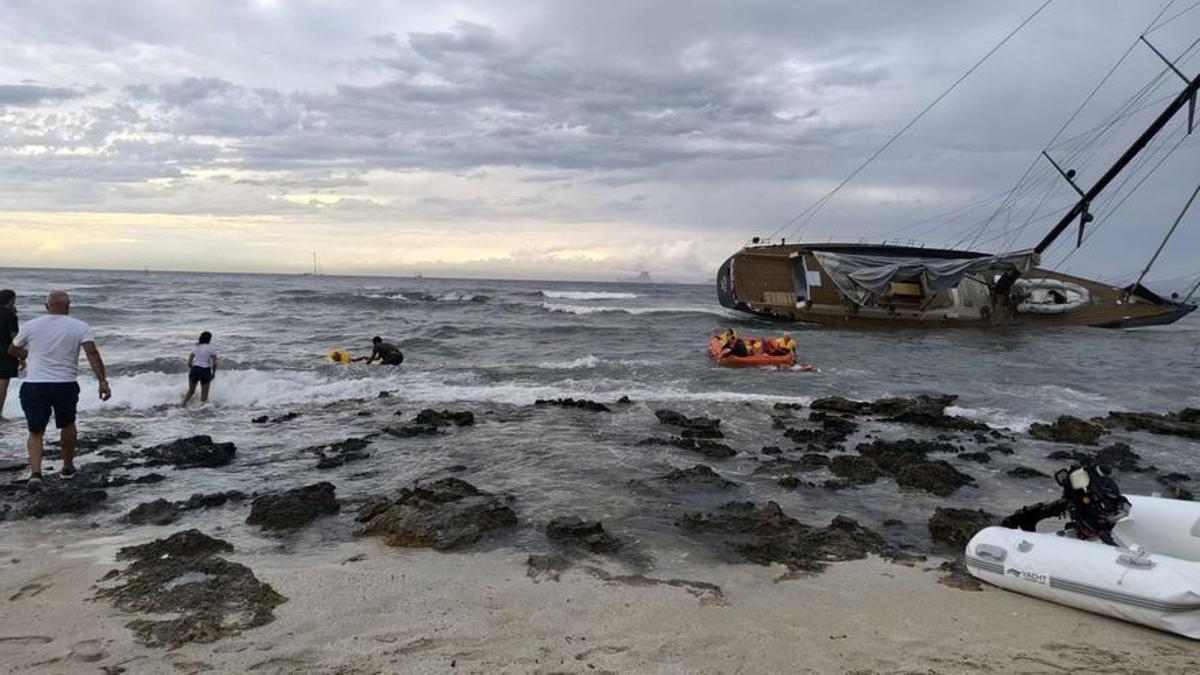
{"type": "Point", "coordinates": [240, 388]}
{"type": "Point", "coordinates": [588, 361]}
{"type": "Point", "coordinates": [588, 295]}
{"type": "Point", "coordinates": [994, 417]}
{"type": "Point", "coordinates": [584, 310]}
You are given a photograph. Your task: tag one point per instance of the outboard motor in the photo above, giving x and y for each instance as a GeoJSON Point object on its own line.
{"type": "Point", "coordinates": [1091, 500]}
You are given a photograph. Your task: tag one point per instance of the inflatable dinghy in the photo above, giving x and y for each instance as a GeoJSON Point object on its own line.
{"type": "Point", "coordinates": [1152, 577]}
{"type": "Point", "coordinates": [785, 361]}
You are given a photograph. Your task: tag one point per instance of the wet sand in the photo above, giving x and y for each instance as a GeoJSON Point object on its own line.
{"type": "Point", "coordinates": [361, 607]}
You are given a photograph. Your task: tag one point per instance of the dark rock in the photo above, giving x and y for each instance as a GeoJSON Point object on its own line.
{"type": "Point", "coordinates": [445, 514]}
{"type": "Point", "coordinates": [94, 440]}
{"type": "Point", "coordinates": [836, 484]}
{"type": "Point", "coordinates": [202, 501]}
{"type": "Point", "coordinates": [590, 535]}
{"type": "Point", "coordinates": [924, 410]}
{"type": "Point", "coordinates": [1173, 477]}
{"type": "Point", "coordinates": [854, 468]}
{"type": "Point", "coordinates": [842, 405]}
{"type": "Point", "coordinates": [788, 406]}
{"type": "Point", "coordinates": [205, 597]}
{"type": "Point", "coordinates": [891, 456]}
{"type": "Point", "coordinates": [293, 509]}
{"type": "Point", "coordinates": [771, 450]}
{"type": "Point", "coordinates": [1120, 456]}
{"type": "Point", "coordinates": [85, 493]}
{"type": "Point", "coordinates": [1116, 456]}
{"type": "Point", "coordinates": [1185, 423]}
{"type": "Point", "coordinates": [782, 465]}
{"type": "Point", "coordinates": [157, 512]}
{"type": "Point", "coordinates": [711, 449]}
{"type": "Point", "coordinates": [955, 527]}
{"type": "Point", "coordinates": [445, 418]}
{"type": "Point", "coordinates": [701, 433]}
{"type": "Point", "coordinates": [790, 482]}
{"type": "Point", "coordinates": [981, 457]}
{"type": "Point", "coordinates": [410, 430]}
{"type": "Point", "coordinates": [956, 575]}
{"type": "Point", "coordinates": [680, 420]}
{"type": "Point", "coordinates": [697, 475]}
{"type": "Point", "coordinates": [893, 522]}
{"type": "Point", "coordinates": [581, 404]}
{"type": "Point", "coordinates": [1177, 491]}
{"type": "Point", "coordinates": [937, 477]}
{"type": "Point", "coordinates": [188, 453]}
{"type": "Point", "coordinates": [1067, 429]}
{"type": "Point", "coordinates": [542, 567]}
{"type": "Point", "coordinates": [764, 535]}
{"type": "Point", "coordinates": [126, 479]}
{"type": "Point", "coordinates": [331, 455]}
{"type": "Point", "coordinates": [286, 417]}
{"type": "Point", "coordinates": [1025, 472]}
{"type": "Point", "coordinates": [624, 400]}
{"type": "Point", "coordinates": [999, 449]}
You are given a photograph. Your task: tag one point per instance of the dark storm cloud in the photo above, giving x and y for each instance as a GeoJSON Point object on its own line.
{"type": "Point", "coordinates": [32, 94]}
{"type": "Point", "coordinates": [684, 116]}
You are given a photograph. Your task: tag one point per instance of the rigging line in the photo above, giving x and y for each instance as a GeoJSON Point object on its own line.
{"type": "Point", "coordinates": [1170, 232]}
{"type": "Point", "coordinates": [944, 214]}
{"type": "Point", "coordinates": [1194, 6]}
{"type": "Point", "coordinates": [1112, 212]}
{"type": "Point", "coordinates": [1190, 294]}
{"type": "Point", "coordinates": [1078, 110]}
{"type": "Point", "coordinates": [817, 207]}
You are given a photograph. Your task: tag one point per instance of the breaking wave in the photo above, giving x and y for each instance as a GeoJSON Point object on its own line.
{"type": "Point", "coordinates": [584, 310]}
{"type": "Point", "coordinates": [588, 295]}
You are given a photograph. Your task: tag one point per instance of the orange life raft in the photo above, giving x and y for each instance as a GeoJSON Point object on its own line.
{"type": "Point", "coordinates": [784, 361]}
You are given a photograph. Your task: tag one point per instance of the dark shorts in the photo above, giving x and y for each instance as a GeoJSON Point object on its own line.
{"type": "Point", "coordinates": [38, 399]}
{"type": "Point", "coordinates": [200, 374]}
{"type": "Point", "coordinates": [393, 359]}
{"type": "Point", "coordinates": [8, 367]}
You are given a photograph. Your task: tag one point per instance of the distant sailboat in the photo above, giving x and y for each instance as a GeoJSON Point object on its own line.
{"type": "Point", "coordinates": [316, 271]}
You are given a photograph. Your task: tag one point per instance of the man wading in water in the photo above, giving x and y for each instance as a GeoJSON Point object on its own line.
{"type": "Point", "coordinates": [387, 353]}
{"type": "Point", "coordinates": [50, 344]}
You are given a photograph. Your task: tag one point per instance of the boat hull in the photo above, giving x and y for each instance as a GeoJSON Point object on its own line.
{"type": "Point", "coordinates": [1145, 588]}
{"type": "Point", "coordinates": [787, 283]}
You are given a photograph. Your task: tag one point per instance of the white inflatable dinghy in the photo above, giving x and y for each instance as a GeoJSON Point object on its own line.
{"type": "Point", "coordinates": [1151, 578]}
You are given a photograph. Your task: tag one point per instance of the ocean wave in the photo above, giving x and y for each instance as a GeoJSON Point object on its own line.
{"type": "Point", "coordinates": [589, 295]}
{"type": "Point", "coordinates": [431, 297]}
{"type": "Point", "coordinates": [296, 389]}
{"type": "Point", "coordinates": [584, 310]}
{"type": "Point", "coordinates": [242, 388]}
{"type": "Point", "coordinates": [994, 417]}
{"type": "Point", "coordinates": [588, 361]}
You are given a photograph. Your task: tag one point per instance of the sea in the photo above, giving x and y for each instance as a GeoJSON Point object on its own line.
{"type": "Point", "coordinates": [496, 347]}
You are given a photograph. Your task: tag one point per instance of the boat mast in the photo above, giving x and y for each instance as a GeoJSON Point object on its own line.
{"type": "Point", "coordinates": [1080, 210]}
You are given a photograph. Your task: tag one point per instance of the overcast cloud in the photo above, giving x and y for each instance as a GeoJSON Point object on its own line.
{"type": "Point", "coordinates": [563, 139]}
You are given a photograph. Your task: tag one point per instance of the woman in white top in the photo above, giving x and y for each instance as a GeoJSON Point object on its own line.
{"type": "Point", "coordinates": [202, 368]}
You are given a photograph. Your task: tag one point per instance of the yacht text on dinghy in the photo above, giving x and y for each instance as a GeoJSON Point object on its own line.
{"type": "Point", "coordinates": [881, 285]}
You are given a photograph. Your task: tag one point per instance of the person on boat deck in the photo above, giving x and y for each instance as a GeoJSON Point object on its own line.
{"type": "Point", "coordinates": [387, 353]}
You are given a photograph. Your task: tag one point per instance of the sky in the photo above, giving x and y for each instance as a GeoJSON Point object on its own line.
{"type": "Point", "coordinates": [574, 139]}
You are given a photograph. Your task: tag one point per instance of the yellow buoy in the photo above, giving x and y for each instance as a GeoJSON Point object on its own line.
{"type": "Point", "coordinates": [339, 356]}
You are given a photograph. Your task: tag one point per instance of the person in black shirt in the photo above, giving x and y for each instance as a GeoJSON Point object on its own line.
{"type": "Point", "coordinates": [8, 330]}
{"type": "Point", "coordinates": [386, 352]}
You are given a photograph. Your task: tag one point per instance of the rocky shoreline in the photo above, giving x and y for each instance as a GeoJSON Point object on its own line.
{"type": "Point", "coordinates": [831, 449]}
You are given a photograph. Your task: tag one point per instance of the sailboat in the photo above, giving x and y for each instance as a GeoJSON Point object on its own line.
{"type": "Point", "coordinates": [879, 285]}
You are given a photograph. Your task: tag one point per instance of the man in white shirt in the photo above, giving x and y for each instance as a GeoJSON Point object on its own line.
{"type": "Point", "coordinates": [50, 345]}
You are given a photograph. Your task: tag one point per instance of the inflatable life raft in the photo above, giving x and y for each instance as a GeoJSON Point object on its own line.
{"type": "Point", "coordinates": [1152, 577]}
{"type": "Point", "coordinates": [785, 361]}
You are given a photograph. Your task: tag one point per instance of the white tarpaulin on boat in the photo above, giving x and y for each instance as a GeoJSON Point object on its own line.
{"type": "Point", "coordinates": [864, 277]}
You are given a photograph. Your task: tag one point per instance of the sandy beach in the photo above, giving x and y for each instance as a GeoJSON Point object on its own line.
{"type": "Point", "coordinates": [361, 607]}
